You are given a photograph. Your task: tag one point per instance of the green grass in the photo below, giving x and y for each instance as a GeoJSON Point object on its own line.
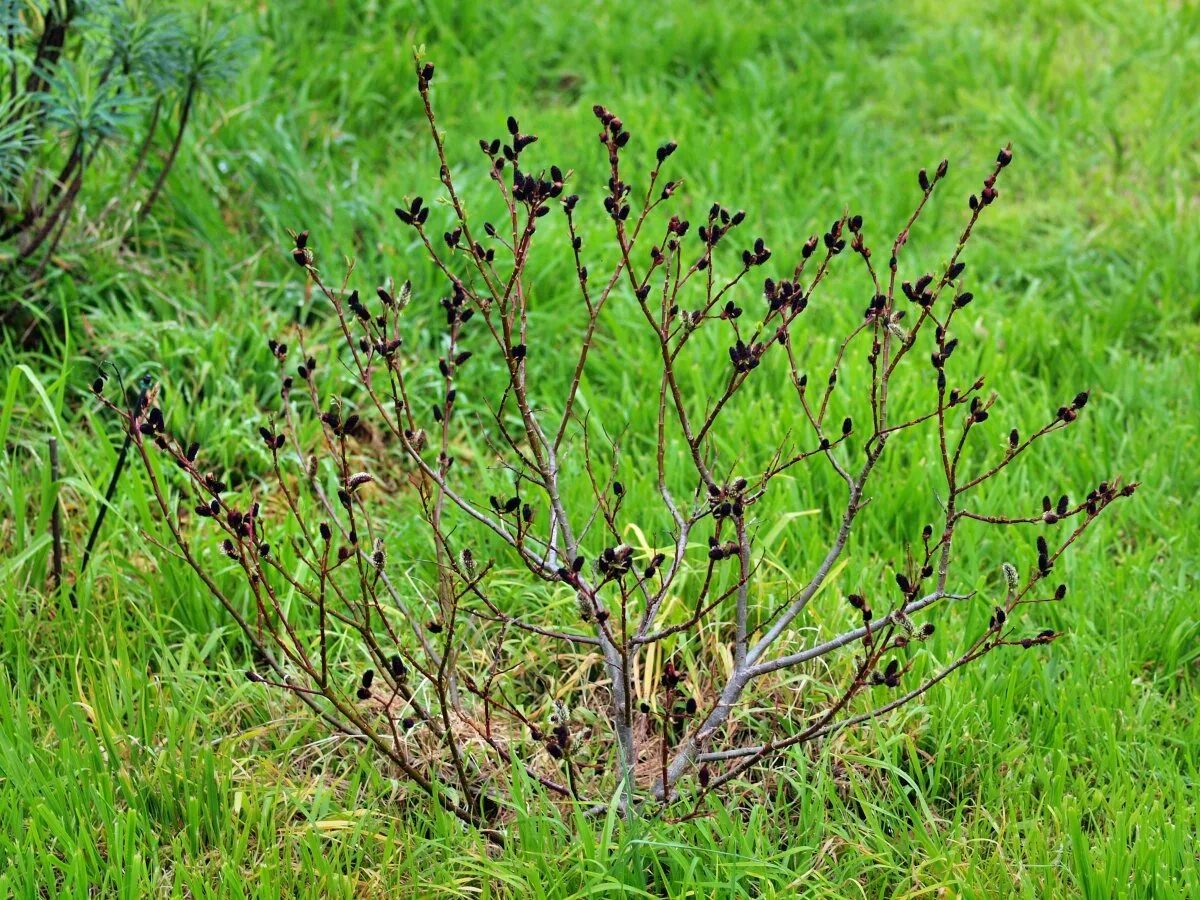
{"type": "Point", "coordinates": [135, 760]}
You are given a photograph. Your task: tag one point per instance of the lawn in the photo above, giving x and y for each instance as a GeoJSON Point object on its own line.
{"type": "Point", "coordinates": [136, 760]}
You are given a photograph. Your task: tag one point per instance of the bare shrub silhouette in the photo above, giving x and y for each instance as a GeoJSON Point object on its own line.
{"type": "Point", "coordinates": [433, 662]}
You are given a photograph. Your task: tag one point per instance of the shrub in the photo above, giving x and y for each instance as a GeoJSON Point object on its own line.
{"type": "Point", "coordinates": [80, 78]}
{"type": "Point", "coordinates": [437, 672]}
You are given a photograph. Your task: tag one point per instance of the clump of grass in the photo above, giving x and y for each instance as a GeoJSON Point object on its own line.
{"type": "Point", "coordinates": [418, 653]}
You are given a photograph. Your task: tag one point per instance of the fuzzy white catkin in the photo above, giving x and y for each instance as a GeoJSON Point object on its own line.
{"type": "Point", "coordinates": [1011, 577]}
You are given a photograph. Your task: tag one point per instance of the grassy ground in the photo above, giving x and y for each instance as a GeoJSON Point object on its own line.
{"type": "Point", "coordinates": [135, 761]}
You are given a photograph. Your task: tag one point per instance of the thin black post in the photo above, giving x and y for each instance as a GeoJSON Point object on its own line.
{"type": "Point", "coordinates": [55, 518]}
{"type": "Point", "coordinates": [108, 494]}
